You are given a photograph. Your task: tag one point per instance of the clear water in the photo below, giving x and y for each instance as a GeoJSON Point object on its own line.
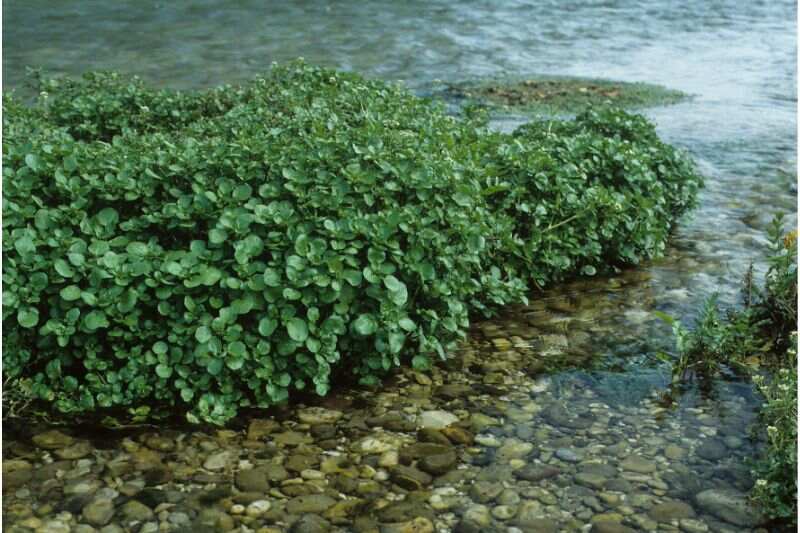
{"type": "Point", "coordinates": [736, 58]}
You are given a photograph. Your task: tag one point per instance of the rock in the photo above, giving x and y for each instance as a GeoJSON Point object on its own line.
{"type": "Point", "coordinates": [389, 459]}
{"type": "Point", "coordinates": [568, 455]}
{"type": "Point", "coordinates": [260, 428]}
{"type": "Point", "coordinates": [433, 436]}
{"type": "Point", "coordinates": [671, 510]}
{"type": "Point", "coordinates": [485, 491]}
{"type": "Point", "coordinates": [274, 473]}
{"type": "Point", "coordinates": [291, 438]}
{"type": "Point", "coordinates": [409, 478]}
{"type": "Point", "coordinates": [458, 435]}
{"type": "Point", "coordinates": [417, 525]}
{"type": "Point", "coordinates": [310, 523]}
{"type": "Point", "coordinates": [77, 450]}
{"type": "Point", "coordinates": [81, 486]}
{"type": "Point", "coordinates": [415, 452]}
{"type": "Point", "coordinates": [638, 464]}
{"type": "Point", "coordinates": [159, 443]}
{"type": "Point", "coordinates": [453, 391]}
{"type": "Point", "coordinates": [674, 453]}
{"type": "Point", "coordinates": [312, 503]}
{"type": "Point", "coordinates": [591, 480]}
{"type": "Point", "coordinates": [298, 463]}
{"type": "Point", "coordinates": [54, 526]}
{"type": "Point", "coordinates": [611, 527]}
{"type": "Point", "coordinates": [16, 473]}
{"type": "Point", "coordinates": [98, 512]}
{"type": "Point", "coordinates": [537, 472]}
{"type": "Point", "coordinates": [52, 440]}
{"type": "Point", "coordinates": [558, 415]}
{"type": "Point", "coordinates": [254, 480]}
{"type": "Point", "coordinates": [135, 511]}
{"type": "Point", "coordinates": [504, 512]}
{"type": "Point", "coordinates": [513, 449]}
{"type": "Point", "coordinates": [392, 421]}
{"type": "Point", "coordinates": [729, 505]}
{"type": "Point", "coordinates": [404, 511]}
{"type": "Point", "coordinates": [712, 450]}
{"type": "Point", "coordinates": [215, 520]}
{"type": "Point", "coordinates": [692, 525]}
{"type": "Point", "coordinates": [257, 508]}
{"type": "Point", "coordinates": [436, 419]}
{"type": "Point", "coordinates": [318, 415]}
{"type": "Point", "coordinates": [478, 514]}
{"type": "Point", "coordinates": [438, 464]}
{"type": "Point", "coordinates": [376, 444]}
{"type": "Point", "coordinates": [218, 461]}
{"type": "Point", "coordinates": [537, 525]}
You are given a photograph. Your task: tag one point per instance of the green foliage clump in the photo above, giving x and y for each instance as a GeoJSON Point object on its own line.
{"type": "Point", "coordinates": [762, 334]}
{"type": "Point", "coordinates": [776, 471]}
{"type": "Point", "coordinates": [214, 250]}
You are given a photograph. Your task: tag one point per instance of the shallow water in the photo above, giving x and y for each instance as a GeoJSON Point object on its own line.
{"type": "Point", "coordinates": [737, 60]}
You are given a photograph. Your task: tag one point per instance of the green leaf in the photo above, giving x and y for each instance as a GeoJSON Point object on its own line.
{"type": "Point", "coordinates": [63, 268]}
{"type": "Point", "coordinates": [266, 326]}
{"type": "Point", "coordinates": [33, 162]}
{"type": "Point", "coordinates": [272, 278]}
{"type": "Point", "coordinates": [25, 246]}
{"type": "Point", "coordinates": [217, 236]}
{"type": "Point", "coordinates": [297, 328]}
{"type": "Point", "coordinates": [160, 348]}
{"type": "Point", "coordinates": [108, 216]}
{"type": "Point", "coordinates": [95, 320]}
{"type": "Point", "coordinates": [70, 293]}
{"type": "Point", "coordinates": [28, 317]}
{"type": "Point", "coordinates": [203, 334]}
{"type": "Point", "coordinates": [237, 349]}
{"type": "Point", "coordinates": [163, 371]}
{"type": "Point", "coordinates": [365, 325]}
{"type": "Point", "coordinates": [396, 342]}
{"type": "Point", "coordinates": [407, 324]}
{"type": "Point", "coordinates": [214, 366]}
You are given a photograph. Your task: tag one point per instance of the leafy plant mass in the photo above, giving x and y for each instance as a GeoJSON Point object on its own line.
{"type": "Point", "coordinates": [215, 250]}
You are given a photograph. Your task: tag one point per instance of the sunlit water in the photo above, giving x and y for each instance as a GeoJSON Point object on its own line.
{"type": "Point", "coordinates": [737, 60]}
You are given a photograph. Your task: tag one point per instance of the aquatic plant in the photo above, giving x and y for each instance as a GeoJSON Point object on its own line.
{"type": "Point", "coordinates": [213, 250]}
{"type": "Point", "coordinates": [761, 337]}
{"type": "Point", "coordinates": [559, 95]}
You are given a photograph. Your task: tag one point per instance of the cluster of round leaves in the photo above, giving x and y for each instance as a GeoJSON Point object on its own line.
{"type": "Point", "coordinates": [214, 250]}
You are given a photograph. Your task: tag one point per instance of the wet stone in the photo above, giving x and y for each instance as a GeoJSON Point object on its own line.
{"type": "Point", "coordinates": [409, 478]}
{"type": "Point", "coordinates": [638, 464]}
{"type": "Point", "coordinates": [254, 480]}
{"type": "Point", "coordinates": [591, 480]}
{"type": "Point", "coordinates": [312, 503]}
{"type": "Point", "coordinates": [568, 455]}
{"type": "Point", "coordinates": [136, 511]}
{"type": "Point", "coordinates": [52, 440]}
{"type": "Point", "coordinates": [537, 472]}
{"type": "Point", "coordinates": [436, 419]}
{"type": "Point", "coordinates": [729, 505]}
{"type": "Point", "coordinates": [417, 525]}
{"type": "Point", "coordinates": [99, 512]}
{"type": "Point", "coordinates": [433, 436]}
{"type": "Point", "coordinates": [77, 450]}
{"type": "Point", "coordinates": [671, 510]}
{"type": "Point", "coordinates": [485, 491]}
{"type": "Point", "coordinates": [712, 450]}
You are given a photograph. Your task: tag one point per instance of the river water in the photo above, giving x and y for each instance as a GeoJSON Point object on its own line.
{"type": "Point", "coordinates": [737, 60]}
